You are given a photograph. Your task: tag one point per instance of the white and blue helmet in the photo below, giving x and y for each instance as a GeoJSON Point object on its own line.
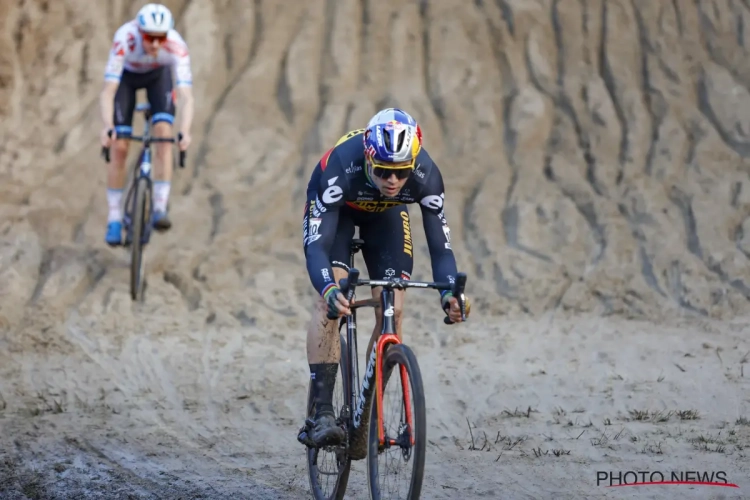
{"type": "Point", "coordinates": [392, 136]}
{"type": "Point", "coordinates": [154, 18]}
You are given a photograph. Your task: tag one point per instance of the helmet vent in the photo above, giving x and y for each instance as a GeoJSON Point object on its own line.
{"type": "Point", "coordinates": [401, 138]}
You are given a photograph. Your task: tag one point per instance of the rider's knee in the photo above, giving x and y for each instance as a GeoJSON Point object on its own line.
{"type": "Point", "coordinates": [162, 125]}
{"type": "Point", "coordinates": [397, 314]}
{"type": "Point", "coordinates": [120, 148]}
{"type": "Point", "coordinates": [163, 129]}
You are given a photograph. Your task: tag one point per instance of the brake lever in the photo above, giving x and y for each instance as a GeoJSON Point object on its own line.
{"type": "Point", "coordinates": [349, 283]}
{"type": "Point", "coordinates": [105, 149]}
{"type": "Point", "coordinates": [182, 153]}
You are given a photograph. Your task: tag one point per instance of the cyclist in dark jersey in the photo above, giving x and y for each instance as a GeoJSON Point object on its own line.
{"type": "Point", "coordinates": [367, 180]}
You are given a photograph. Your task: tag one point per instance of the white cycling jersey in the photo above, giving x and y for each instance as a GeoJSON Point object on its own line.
{"type": "Point", "coordinates": [127, 53]}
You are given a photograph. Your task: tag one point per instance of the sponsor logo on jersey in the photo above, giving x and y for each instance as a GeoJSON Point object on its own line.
{"type": "Point", "coordinates": [441, 216]}
{"type": "Point", "coordinates": [407, 234]}
{"type": "Point", "coordinates": [433, 201]}
{"type": "Point", "coordinates": [447, 233]}
{"type": "Point", "coordinates": [373, 206]}
{"type": "Point", "coordinates": [352, 168]}
{"type": "Point", "coordinates": [365, 195]}
{"type": "Point", "coordinates": [311, 222]}
{"type": "Point", "coordinates": [305, 225]}
{"type": "Point", "coordinates": [313, 234]}
{"type": "Point", "coordinates": [316, 208]}
{"type": "Point", "coordinates": [333, 193]}
{"type": "Point", "coordinates": [118, 49]}
{"type": "Point", "coordinates": [131, 42]}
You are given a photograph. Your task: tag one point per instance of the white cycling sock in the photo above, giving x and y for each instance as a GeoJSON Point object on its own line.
{"type": "Point", "coordinates": [161, 195]}
{"type": "Point", "coordinates": [114, 200]}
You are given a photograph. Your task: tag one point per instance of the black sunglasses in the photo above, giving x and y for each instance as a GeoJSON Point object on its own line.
{"type": "Point", "coordinates": [385, 173]}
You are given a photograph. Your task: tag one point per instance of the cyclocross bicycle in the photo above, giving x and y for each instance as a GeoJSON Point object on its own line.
{"type": "Point", "coordinates": [138, 206]}
{"type": "Point", "coordinates": [373, 429]}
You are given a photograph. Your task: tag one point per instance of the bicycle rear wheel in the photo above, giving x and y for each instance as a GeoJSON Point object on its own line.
{"type": "Point", "coordinates": [396, 469]}
{"type": "Point", "coordinates": [141, 199]}
{"type": "Point", "coordinates": [328, 468]}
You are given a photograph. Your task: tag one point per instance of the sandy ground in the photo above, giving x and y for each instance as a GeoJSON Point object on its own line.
{"type": "Point", "coordinates": [595, 156]}
{"type": "Point", "coordinates": [549, 403]}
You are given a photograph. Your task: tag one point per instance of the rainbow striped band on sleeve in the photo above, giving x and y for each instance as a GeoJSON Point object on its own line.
{"type": "Point", "coordinates": [327, 290]}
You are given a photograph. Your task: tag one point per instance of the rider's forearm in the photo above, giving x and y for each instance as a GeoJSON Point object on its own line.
{"type": "Point", "coordinates": [187, 106]}
{"type": "Point", "coordinates": [318, 235]}
{"type": "Point", "coordinates": [443, 267]}
{"type": "Point", "coordinates": [320, 271]}
{"type": "Point", "coordinates": [438, 242]}
{"type": "Point", "coordinates": [107, 104]}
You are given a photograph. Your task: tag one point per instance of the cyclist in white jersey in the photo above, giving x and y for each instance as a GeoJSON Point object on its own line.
{"type": "Point", "coordinates": [143, 54]}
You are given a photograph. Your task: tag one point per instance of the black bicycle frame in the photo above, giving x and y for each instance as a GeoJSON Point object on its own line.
{"type": "Point", "coordinates": [355, 411]}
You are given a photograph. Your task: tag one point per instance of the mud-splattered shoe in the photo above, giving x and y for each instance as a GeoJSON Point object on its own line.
{"type": "Point", "coordinates": [321, 432]}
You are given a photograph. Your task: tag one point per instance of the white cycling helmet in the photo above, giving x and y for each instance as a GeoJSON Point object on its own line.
{"type": "Point", "coordinates": [154, 18]}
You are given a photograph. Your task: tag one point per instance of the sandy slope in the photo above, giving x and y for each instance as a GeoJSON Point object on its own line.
{"type": "Point", "coordinates": [595, 156]}
{"type": "Point", "coordinates": [187, 412]}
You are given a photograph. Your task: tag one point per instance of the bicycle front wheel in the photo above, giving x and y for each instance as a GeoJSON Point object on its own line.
{"type": "Point", "coordinates": [140, 214]}
{"type": "Point", "coordinates": [328, 468]}
{"type": "Point", "coordinates": [396, 468]}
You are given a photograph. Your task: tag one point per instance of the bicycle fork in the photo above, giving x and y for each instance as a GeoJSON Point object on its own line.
{"type": "Point", "coordinates": [374, 371]}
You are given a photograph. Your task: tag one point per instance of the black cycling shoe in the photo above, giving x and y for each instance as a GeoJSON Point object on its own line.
{"type": "Point", "coordinates": [323, 431]}
{"type": "Point", "coordinates": [161, 221]}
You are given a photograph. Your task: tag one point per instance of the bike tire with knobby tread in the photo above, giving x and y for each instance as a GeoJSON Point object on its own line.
{"type": "Point", "coordinates": [400, 354]}
{"type": "Point", "coordinates": [343, 476]}
{"type": "Point", "coordinates": [136, 241]}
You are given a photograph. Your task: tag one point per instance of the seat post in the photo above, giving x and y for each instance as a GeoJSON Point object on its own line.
{"type": "Point", "coordinates": [356, 245]}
